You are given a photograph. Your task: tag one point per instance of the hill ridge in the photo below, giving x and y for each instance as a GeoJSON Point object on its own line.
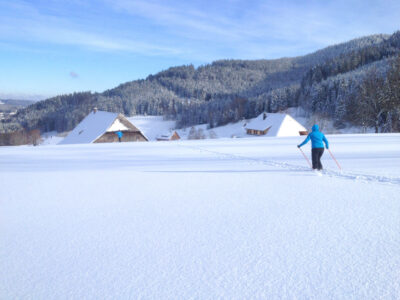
{"type": "Point", "coordinates": [220, 92]}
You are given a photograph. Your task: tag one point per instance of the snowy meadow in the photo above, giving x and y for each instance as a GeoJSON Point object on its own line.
{"type": "Point", "coordinates": [211, 219]}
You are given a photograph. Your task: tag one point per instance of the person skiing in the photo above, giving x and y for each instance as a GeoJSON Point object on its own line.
{"type": "Point", "coordinates": [120, 134]}
{"type": "Point", "coordinates": [317, 147]}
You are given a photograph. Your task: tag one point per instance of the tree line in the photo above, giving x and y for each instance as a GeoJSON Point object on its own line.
{"type": "Point", "coordinates": [21, 137]}
{"type": "Point", "coordinates": [377, 101]}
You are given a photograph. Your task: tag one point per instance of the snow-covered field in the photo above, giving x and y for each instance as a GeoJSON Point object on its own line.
{"type": "Point", "coordinates": [210, 219]}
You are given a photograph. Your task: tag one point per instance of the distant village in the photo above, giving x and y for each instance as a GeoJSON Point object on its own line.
{"type": "Point", "coordinates": [8, 108]}
{"type": "Point", "coordinates": [5, 115]}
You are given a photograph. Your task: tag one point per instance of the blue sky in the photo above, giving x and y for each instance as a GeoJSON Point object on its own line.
{"type": "Point", "coordinates": [54, 47]}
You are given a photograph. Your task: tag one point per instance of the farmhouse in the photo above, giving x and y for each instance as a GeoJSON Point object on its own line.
{"type": "Point", "coordinates": [169, 137]}
{"type": "Point", "coordinates": [275, 124]}
{"type": "Point", "coordinates": [101, 127]}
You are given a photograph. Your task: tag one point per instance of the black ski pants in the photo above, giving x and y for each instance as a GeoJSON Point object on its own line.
{"type": "Point", "coordinates": [316, 154]}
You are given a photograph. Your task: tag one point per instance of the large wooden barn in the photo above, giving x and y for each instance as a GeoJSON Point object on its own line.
{"type": "Point", "coordinates": [275, 124]}
{"type": "Point", "coordinates": [102, 127]}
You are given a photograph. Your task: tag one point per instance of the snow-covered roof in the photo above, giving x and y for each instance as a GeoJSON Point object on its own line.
{"type": "Point", "coordinates": [117, 126]}
{"type": "Point", "coordinates": [167, 135]}
{"type": "Point", "coordinates": [279, 124]}
{"type": "Point", "coordinates": [152, 126]}
{"type": "Point", "coordinates": [92, 127]}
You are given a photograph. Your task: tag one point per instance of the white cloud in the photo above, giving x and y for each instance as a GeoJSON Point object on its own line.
{"type": "Point", "coordinates": [259, 26]}
{"type": "Point", "coordinates": [73, 74]}
{"type": "Point", "coordinates": [31, 25]}
{"type": "Point", "coordinates": [183, 20]}
{"type": "Point", "coordinates": [200, 32]}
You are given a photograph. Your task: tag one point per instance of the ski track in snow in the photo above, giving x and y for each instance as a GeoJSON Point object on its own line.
{"type": "Point", "coordinates": [292, 167]}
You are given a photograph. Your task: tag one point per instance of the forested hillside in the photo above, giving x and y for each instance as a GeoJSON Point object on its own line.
{"type": "Point", "coordinates": [333, 82]}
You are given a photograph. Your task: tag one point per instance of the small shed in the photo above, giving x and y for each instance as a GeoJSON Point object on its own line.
{"type": "Point", "coordinates": [101, 127]}
{"type": "Point", "coordinates": [275, 124]}
{"type": "Point", "coordinates": [169, 137]}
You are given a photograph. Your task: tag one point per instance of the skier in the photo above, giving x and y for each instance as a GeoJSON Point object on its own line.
{"type": "Point", "coordinates": [317, 147]}
{"type": "Point", "coordinates": [120, 134]}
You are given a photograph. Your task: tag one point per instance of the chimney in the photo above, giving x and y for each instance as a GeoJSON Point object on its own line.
{"type": "Point", "coordinates": [264, 116]}
{"type": "Point", "coordinates": [94, 110]}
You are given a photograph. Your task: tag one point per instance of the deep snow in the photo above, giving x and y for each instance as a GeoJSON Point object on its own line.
{"type": "Point", "coordinates": [220, 219]}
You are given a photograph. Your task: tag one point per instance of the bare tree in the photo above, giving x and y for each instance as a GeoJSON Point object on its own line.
{"type": "Point", "coordinates": [393, 95]}
{"type": "Point", "coordinates": [373, 101]}
{"type": "Point", "coordinates": [192, 133]}
{"type": "Point", "coordinates": [212, 134]}
{"type": "Point", "coordinates": [200, 134]}
{"type": "Point", "coordinates": [34, 137]}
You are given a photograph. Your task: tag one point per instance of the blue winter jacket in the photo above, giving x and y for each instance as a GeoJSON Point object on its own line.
{"type": "Point", "coordinates": [120, 134]}
{"type": "Point", "coordinates": [316, 137]}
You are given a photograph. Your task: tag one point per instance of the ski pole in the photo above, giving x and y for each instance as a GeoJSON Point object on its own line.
{"type": "Point", "coordinates": [340, 168]}
{"type": "Point", "coordinates": [305, 157]}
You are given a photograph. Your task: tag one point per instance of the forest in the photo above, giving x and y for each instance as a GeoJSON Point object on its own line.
{"type": "Point", "coordinates": [354, 83]}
